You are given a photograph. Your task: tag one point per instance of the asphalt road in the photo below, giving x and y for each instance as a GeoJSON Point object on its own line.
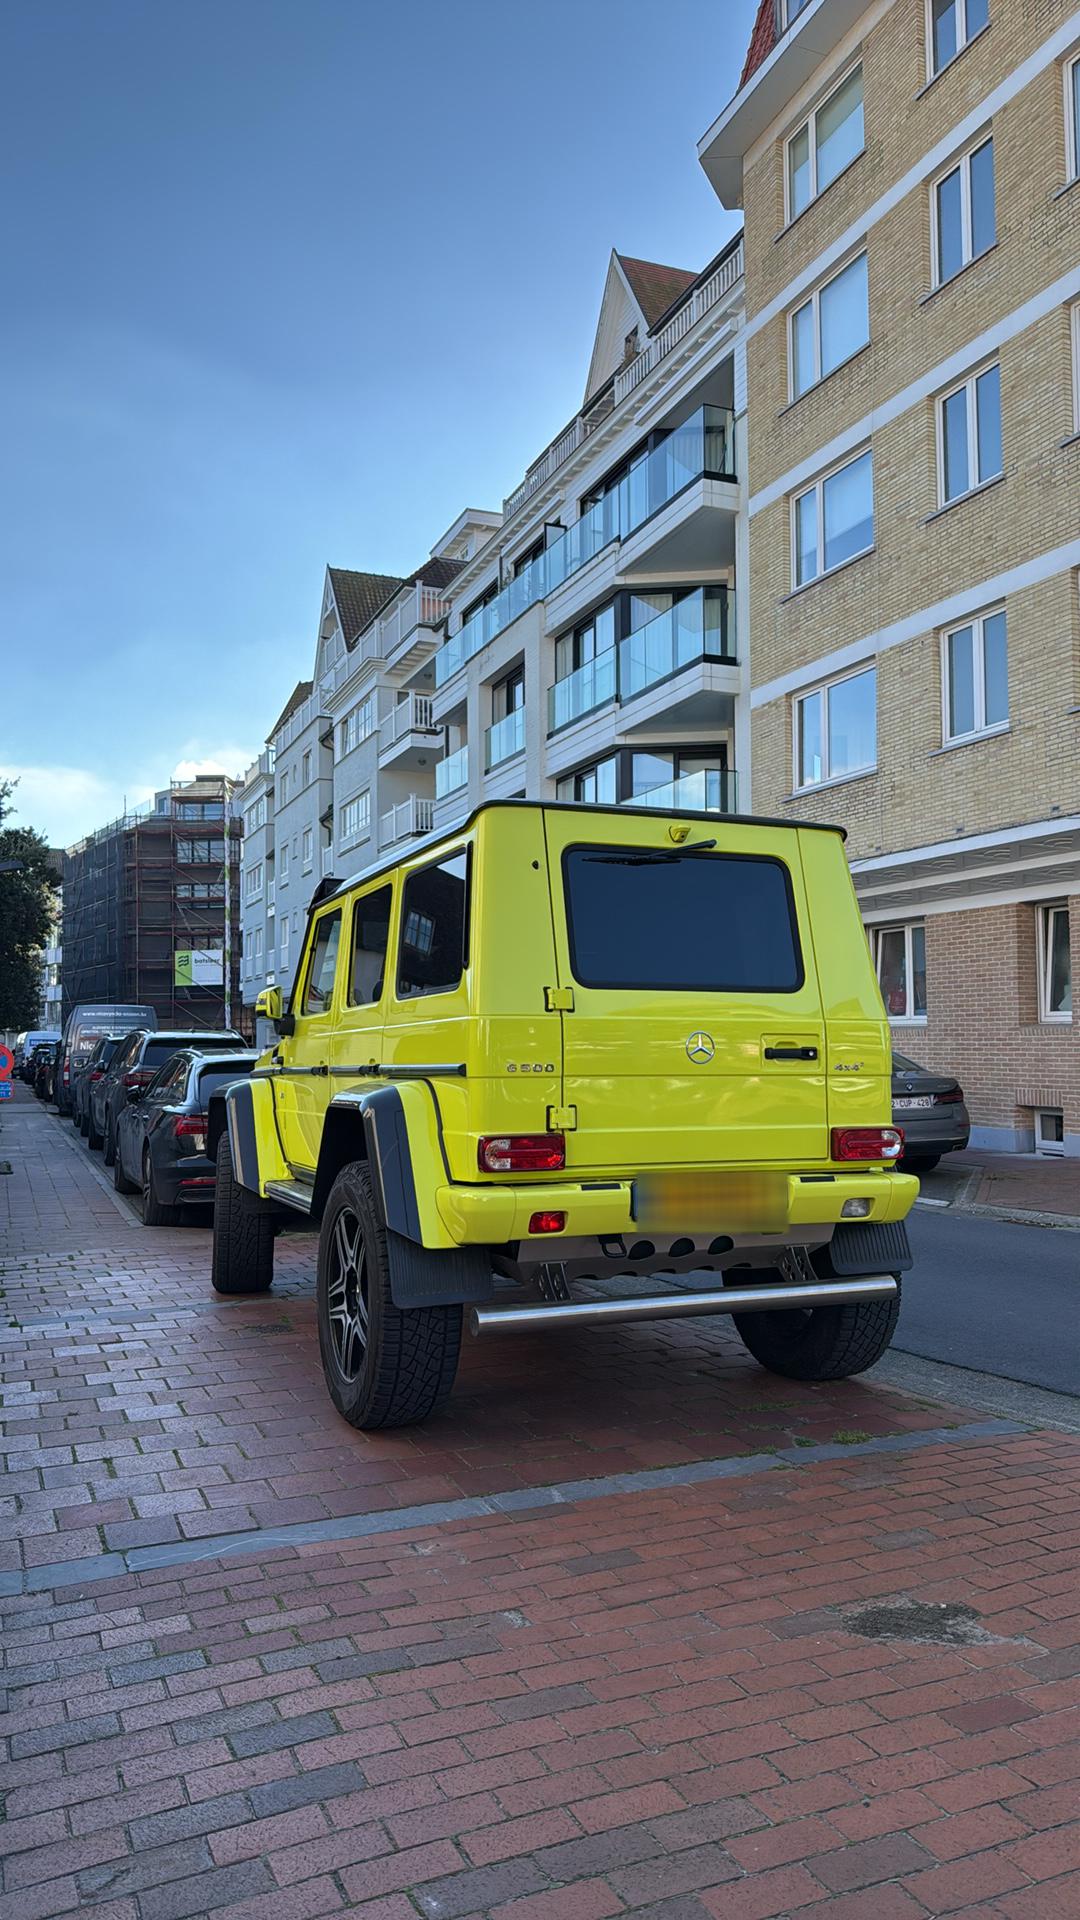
{"type": "Point", "coordinates": [994, 1298]}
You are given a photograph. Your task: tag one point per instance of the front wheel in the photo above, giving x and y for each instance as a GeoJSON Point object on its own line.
{"type": "Point", "coordinates": [119, 1177]}
{"type": "Point", "coordinates": [154, 1213]}
{"type": "Point", "coordinates": [384, 1366]}
{"type": "Point", "coordinates": [242, 1260]}
{"type": "Point", "coordinates": [820, 1343]}
{"type": "Point", "coordinates": [93, 1137]}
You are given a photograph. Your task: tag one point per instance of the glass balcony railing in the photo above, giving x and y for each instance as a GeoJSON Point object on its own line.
{"type": "Point", "coordinates": [702, 446]}
{"type": "Point", "coordinates": [695, 628]}
{"type": "Point", "coordinates": [451, 773]}
{"type": "Point", "coordinates": [593, 685]}
{"type": "Point", "coordinates": [710, 790]}
{"type": "Point", "coordinates": [505, 738]}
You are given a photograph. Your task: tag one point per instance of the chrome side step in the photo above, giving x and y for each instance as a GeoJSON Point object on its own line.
{"type": "Point", "coordinates": [291, 1193]}
{"type": "Point", "coordinates": [675, 1306]}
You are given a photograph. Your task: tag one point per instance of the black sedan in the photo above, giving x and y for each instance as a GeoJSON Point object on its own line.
{"type": "Point", "coordinates": [96, 1067]}
{"type": "Point", "coordinates": [161, 1134]}
{"type": "Point", "coordinates": [135, 1064]}
{"type": "Point", "coordinates": [930, 1109]}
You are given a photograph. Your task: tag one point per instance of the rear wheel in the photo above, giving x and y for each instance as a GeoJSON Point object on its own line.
{"type": "Point", "coordinates": [154, 1213]}
{"type": "Point", "coordinates": [82, 1122]}
{"type": "Point", "coordinates": [243, 1255]}
{"type": "Point", "coordinates": [93, 1137]}
{"type": "Point", "coordinates": [384, 1366]}
{"type": "Point", "coordinates": [820, 1343]}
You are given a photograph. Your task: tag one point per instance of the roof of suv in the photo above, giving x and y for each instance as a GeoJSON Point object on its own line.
{"type": "Point", "coordinates": [331, 887]}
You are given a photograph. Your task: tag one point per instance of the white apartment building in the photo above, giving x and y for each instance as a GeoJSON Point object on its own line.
{"type": "Point", "coordinates": [597, 647]}
{"type": "Point", "coordinates": [257, 905]}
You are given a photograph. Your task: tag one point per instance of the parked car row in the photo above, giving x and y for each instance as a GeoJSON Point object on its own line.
{"type": "Point", "coordinates": [137, 1093]}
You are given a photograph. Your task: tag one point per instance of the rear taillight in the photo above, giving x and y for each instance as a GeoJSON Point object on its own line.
{"type": "Point", "coordinates": [98, 1073]}
{"type": "Point", "coordinates": [950, 1098]}
{"type": "Point", "coordinates": [139, 1077]}
{"type": "Point", "coordinates": [867, 1143]}
{"type": "Point", "coordinates": [192, 1128]}
{"type": "Point", "coordinates": [521, 1153]}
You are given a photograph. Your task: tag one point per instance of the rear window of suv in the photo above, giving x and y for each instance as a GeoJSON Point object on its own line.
{"type": "Point", "coordinates": [681, 922]}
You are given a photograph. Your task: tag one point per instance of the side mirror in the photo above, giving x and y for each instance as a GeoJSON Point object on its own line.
{"type": "Point", "coordinates": [271, 1005]}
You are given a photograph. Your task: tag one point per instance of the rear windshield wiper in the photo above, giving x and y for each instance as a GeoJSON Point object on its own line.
{"type": "Point", "coordinates": [649, 855]}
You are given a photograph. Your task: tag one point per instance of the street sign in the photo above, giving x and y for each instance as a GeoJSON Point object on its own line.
{"type": "Point", "coordinates": [7, 1061]}
{"type": "Point", "coordinates": [5, 1089]}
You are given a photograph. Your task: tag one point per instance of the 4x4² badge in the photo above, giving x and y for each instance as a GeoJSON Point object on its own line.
{"type": "Point", "coordinates": [700, 1047]}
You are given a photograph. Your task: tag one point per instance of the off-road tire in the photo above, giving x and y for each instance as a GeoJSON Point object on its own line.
{"type": "Point", "coordinates": [820, 1343]}
{"type": "Point", "coordinates": [154, 1213]}
{"type": "Point", "coordinates": [918, 1162]}
{"type": "Point", "coordinates": [119, 1177]}
{"type": "Point", "coordinates": [242, 1260]}
{"type": "Point", "coordinates": [406, 1365]}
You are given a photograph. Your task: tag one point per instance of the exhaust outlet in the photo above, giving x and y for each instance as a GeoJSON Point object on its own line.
{"type": "Point", "coordinates": [676, 1306]}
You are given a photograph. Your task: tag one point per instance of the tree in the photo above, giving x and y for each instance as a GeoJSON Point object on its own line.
{"type": "Point", "coordinates": [26, 910]}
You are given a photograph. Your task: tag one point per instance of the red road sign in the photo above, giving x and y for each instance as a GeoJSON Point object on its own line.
{"type": "Point", "coordinates": [7, 1061]}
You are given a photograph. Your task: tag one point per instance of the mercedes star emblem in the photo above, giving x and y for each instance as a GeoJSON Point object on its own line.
{"type": "Point", "coordinates": [700, 1048]}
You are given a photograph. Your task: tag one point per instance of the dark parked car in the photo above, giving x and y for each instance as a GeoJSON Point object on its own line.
{"type": "Point", "coordinates": [930, 1109]}
{"type": "Point", "coordinates": [42, 1062]}
{"type": "Point", "coordinates": [161, 1134]}
{"type": "Point", "coordinates": [88, 1076]}
{"type": "Point", "coordinates": [84, 1025]}
{"type": "Point", "coordinates": [134, 1065]}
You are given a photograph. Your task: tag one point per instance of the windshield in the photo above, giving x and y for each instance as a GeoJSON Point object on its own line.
{"type": "Point", "coordinates": [689, 922]}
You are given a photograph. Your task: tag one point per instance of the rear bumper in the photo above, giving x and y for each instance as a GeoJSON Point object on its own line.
{"type": "Point", "coordinates": [493, 1215]}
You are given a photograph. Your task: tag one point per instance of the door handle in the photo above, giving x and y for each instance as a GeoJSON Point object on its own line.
{"type": "Point", "coordinates": [791, 1053]}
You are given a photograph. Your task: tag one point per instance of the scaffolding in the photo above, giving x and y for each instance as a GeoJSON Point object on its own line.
{"type": "Point", "coordinates": [158, 882]}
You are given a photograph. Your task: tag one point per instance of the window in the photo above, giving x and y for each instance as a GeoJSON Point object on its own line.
{"type": "Point", "coordinates": [200, 853]}
{"type": "Point", "coordinates": [964, 222]}
{"type": "Point", "coordinates": [285, 942]}
{"type": "Point", "coordinates": [257, 946]}
{"type": "Point", "coordinates": [836, 729]}
{"type": "Point", "coordinates": [305, 768]}
{"type": "Point", "coordinates": [595, 785]}
{"type": "Point", "coordinates": [283, 862]}
{"type": "Point", "coordinates": [833, 520]}
{"type": "Point", "coordinates": [969, 435]}
{"type": "Point", "coordinates": [1072, 117]}
{"type": "Point", "coordinates": [253, 881]}
{"type": "Point", "coordinates": [255, 817]}
{"type": "Point", "coordinates": [354, 818]}
{"type": "Point", "coordinates": [901, 970]}
{"type": "Point", "coordinates": [975, 677]}
{"type": "Point", "coordinates": [825, 144]}
{"type": "Point", "coordinates": [307, 853]}
{"type": "Point", "coordinates": [1055, 963]}
{"type": "Point", "coordinates": [692, 922]}
{"type": "Point", "coordinates": [1075, 317]}
{"type": "Point", "coordinates": [790, 10]}
{"type": "Point", "coordinates": [829, 327]}
{"type": "Point", "coordinates": [371, 934]}
{"type": "Point", "coordinates": [200, 893]}
{"type": "Point", "coordinates": [283, 786]}
{"type": "Point", "coordinates": [1049, 1131]}
{"type": "Point", "coordinates": [952, 24]}
{"type": "Point", "coordinates": [509, 694]}
{"type": "Point", "coordinates": [434, 948]}
{"type": "Point", "coordinates": [319, 991]}
{"type": "Point", "coordinates": [357, 725]}
{"type": "Point", "coordinates": [198, 810]}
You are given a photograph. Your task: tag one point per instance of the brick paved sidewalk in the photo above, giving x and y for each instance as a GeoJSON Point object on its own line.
{"type": "Point", "coordinates": [666, 1700]}
{"type": "Point", "coordinates": [1014, 1183]}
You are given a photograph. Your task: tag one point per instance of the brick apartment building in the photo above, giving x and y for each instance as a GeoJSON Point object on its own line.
{"type": "Point", "coordinates": [910, 178]}
{"type": "Point", "coordinates": [147, 891]}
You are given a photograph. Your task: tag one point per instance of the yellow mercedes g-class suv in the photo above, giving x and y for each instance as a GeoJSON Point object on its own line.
{"type": "Point", "coordinates": [556, 1052]}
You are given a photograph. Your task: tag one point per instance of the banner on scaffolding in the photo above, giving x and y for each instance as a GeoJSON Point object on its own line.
{"type": "Point", "coordinates": [199, 967]}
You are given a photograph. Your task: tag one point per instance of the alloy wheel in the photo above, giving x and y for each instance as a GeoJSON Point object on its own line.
{"type": "Point", "coordinates": [347, 1294]}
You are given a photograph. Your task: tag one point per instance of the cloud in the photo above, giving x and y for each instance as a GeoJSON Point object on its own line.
{"type": "Point", "coordinates": [64, 803]}
{"type": "Point", "coordinates": [228, 759]}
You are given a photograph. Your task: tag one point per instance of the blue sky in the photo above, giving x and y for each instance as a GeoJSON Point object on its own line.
{"type": "Point", "coordinates": [288, 282]}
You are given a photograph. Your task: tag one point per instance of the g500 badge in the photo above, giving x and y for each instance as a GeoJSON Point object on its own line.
{"type": "Point", "coordinates": [529, 1066]}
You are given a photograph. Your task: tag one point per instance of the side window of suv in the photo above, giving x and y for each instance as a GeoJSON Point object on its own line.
{"type": "Point", "coordinates": [371, 934]}
{"type": "Point", "coordinates": [434, 946]}
{"type": "Point", "coordinates": [319, 992]}
{"type": "Point", "coordinates": [124, 1053]}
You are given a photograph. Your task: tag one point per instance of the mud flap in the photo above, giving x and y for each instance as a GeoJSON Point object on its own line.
{"type": "Point", "coordinates": [437, 1277]}
{"type": "Point", "coordinates": [865, 1246]}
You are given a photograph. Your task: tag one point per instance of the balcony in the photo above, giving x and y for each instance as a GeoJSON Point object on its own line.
{"type": "Point", "coordinates": [702, 448]}
{"type": "Point", "coordinates": [711, 790]}
{"type": "Point", "coordinates": [452, 773]}
{"type": "Point", "coordinates": [696, 628]}
{"type": "Point", "coordinates": [592, 685]}
{"type": "Point", "coordinates": [403, 822]}
{"type": "Point", "coordinates": [504, 739]}
{"type": "Point", "coordinates": [401, 635]}
{"type": "Point", "coordinates": [270, 896]}
{"type": "Point", "coordinates": [298, 722]}
{"type": "Point", "coordinates": [408, 732]}
{"type": "Point", "coordinates": [327, 861]}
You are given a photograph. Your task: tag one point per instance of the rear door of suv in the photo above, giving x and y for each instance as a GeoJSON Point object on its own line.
{"type": "Point", "coordinates": [692, 1024]}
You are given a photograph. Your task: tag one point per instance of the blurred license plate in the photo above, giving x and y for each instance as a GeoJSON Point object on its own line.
{"type": "Point", "coordinates": [716, 1202]}
{"type": "Point", "coordinates": [917, 1100]}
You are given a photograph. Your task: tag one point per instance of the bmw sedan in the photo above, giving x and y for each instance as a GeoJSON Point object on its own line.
{"type": "Point", "coordinates": [930, 1109]}
{"type": "Point", "coordinates": [161, 1134]}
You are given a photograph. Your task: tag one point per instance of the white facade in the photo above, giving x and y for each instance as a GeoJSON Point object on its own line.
{"type": "Point", "coordinates": [257, 932]}
{"type": "Point", "coordinates": [303, 788]}
{"type": "Point", "coordinates": [612, 661]}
